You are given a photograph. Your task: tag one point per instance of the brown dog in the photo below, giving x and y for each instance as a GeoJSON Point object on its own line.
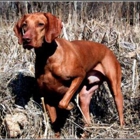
{"type": "Point", "coordinates": [62, 65]}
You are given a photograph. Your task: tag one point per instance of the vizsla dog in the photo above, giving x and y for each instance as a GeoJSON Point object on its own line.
{"type": "Point", "coordinates": [62, 65]}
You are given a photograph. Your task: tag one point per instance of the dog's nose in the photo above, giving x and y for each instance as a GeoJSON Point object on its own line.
{"type": "Point", "coordinates": [26, 40]}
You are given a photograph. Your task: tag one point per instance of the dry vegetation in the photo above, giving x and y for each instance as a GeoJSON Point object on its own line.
{"type": "Point", "coordinates": [115, 24]}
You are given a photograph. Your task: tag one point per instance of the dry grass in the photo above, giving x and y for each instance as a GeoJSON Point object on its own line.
{"type": "Point", "coordinates": [17, 83]}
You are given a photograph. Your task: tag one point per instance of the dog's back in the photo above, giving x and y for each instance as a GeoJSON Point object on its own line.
{"type": "Point", "coordinates": [85, 53]}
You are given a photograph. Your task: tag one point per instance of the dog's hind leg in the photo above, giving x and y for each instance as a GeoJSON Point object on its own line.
{"type": "Point", "coordinates": [114, 83]}
{"type": "Point", "coordinates": [85, 98]}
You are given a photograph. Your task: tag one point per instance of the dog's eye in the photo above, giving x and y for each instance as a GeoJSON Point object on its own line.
{"type": "Point", "coordinates": [40, 24]}
{"type": "Point", "coordinates": [23, 32]}
{"type": "Point", "coordinates": [24, 25]}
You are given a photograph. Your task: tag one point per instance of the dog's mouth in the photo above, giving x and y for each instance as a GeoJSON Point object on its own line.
{"type": "Point", "coordinates": [27, 46]}
{"type": "Point", "coordinates": [31, 44]}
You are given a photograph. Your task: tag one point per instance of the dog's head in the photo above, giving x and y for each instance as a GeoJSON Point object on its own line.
{"type": "Point", "coordinates": [32, 29]}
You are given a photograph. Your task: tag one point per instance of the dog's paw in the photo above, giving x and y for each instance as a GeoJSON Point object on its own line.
{"type": "Point", "coordinates": [62, 105]}
{"type": "Point", "coordinates": [70, 106]}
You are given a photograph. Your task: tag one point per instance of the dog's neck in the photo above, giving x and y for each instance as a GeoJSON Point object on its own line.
{"type": "Point", "coordinates": [47, 49]}
{"type": "Point", "coordinates": [42, 54]}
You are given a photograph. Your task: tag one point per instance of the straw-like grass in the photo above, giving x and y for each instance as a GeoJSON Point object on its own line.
{"type": "Point", "coordinates": [17, 82]}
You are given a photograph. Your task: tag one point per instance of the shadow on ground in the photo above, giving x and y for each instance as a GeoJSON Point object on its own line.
{"type": "Point", "coordinates": [24, 87]}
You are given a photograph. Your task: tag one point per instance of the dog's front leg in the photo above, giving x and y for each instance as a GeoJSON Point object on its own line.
{"type": "Point", "coordinates": [52, 112]}
{"type": "Point", "coordinates": [64, 103]}
{"type": "Point", "coordinates": [53, 117]}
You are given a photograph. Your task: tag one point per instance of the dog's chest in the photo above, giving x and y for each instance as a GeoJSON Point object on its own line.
{"type": "Point", "coordinates": [55, 71]}
{"type": "Point", "coordinates": [54, 82]}
{"type": "Point", "coordinates": [53, 76]}
{"type": "Point", "coordinates": [58, 69]}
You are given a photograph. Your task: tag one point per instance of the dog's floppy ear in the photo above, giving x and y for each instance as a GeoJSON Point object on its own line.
{"type": "Point", "coordinates": [53, 28]}
{"type": "Point", "coordinates": [18, 29]}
